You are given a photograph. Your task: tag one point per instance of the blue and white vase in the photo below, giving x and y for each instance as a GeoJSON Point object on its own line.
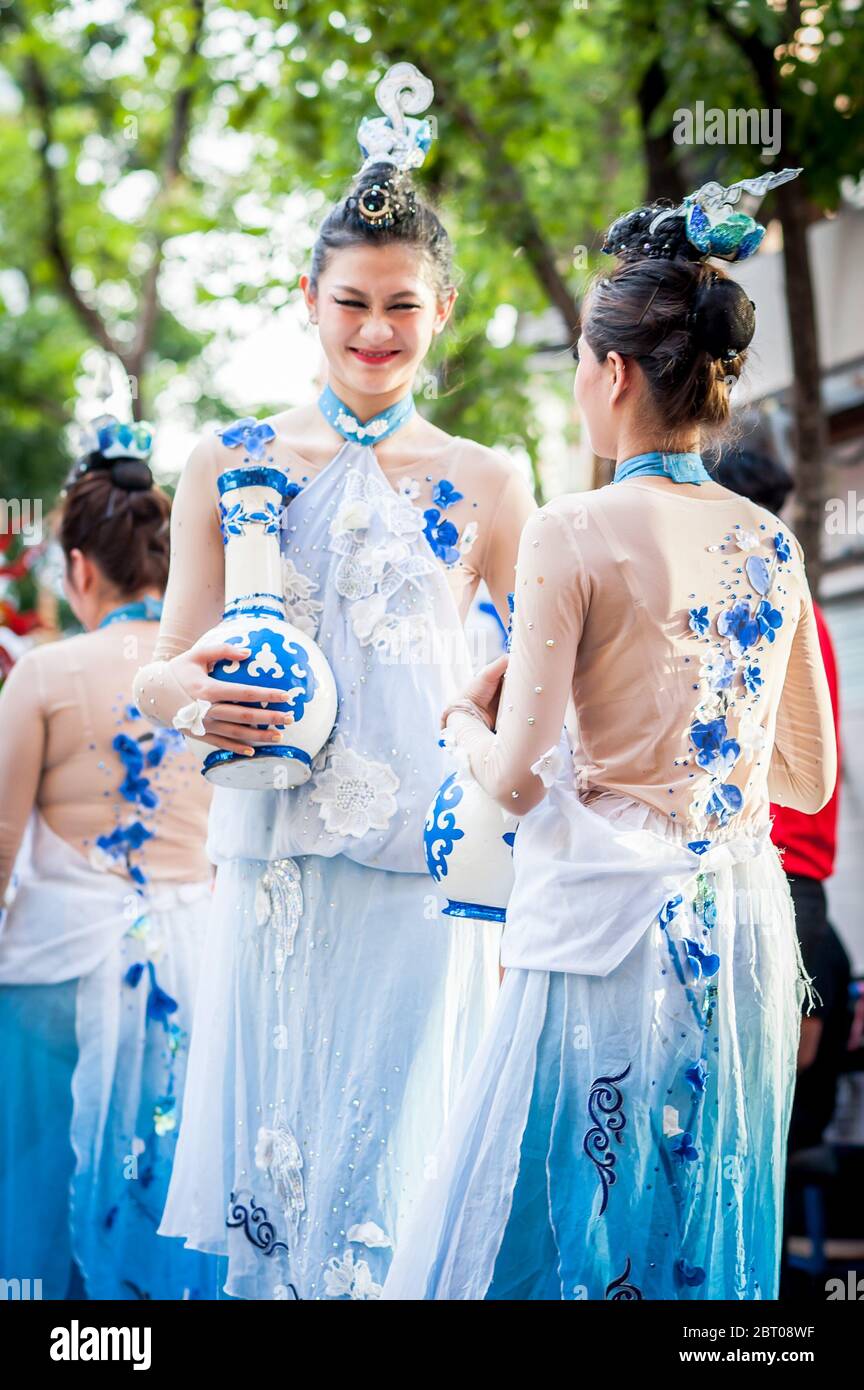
{"type": "Point", "coordinates": [281, 655]}
{"type": "Point", "coordinates": [468, 839]}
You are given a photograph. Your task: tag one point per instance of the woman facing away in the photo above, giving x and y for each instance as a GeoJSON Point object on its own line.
{"type": "Point", "coordinates": [101, 942]}
{"type": "Point", "coordinates": [622, 1130]}
{"type": "Point", "coordinates": [337, 1015]}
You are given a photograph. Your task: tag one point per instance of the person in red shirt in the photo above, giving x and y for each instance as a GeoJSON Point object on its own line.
{"type": "Point", "coordinates": [808, 844]}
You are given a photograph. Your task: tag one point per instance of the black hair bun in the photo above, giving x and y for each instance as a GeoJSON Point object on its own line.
{"type": "Point", "coordinates": [382, 196]}
{"type": "Point", "coordinates": [722, 320]}
{"type": "Point", "coordinates": [630, 235]}
{"type": "Point", "coordinates": [133, 475]}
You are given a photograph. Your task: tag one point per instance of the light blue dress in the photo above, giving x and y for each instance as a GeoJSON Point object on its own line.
{"type": "Point", "coordinates": [338, 1010]}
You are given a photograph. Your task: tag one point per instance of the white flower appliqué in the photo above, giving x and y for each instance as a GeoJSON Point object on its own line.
{"type": "Point", "coordinates": [277, 1153]}
{"type": "Point", "coordinates": [345, 1279]}
{"type": "Point", "coordinates": [371, 571]}
{"type": "Point", "coordinates": [549, 766]}
{"type": "Point", "coordinates": [297, 589]}
{"type": "Point", "coordinates": [354, 794]}
{"type": "Point", "coordinates": [191, 717]}
{"type": "Point", "coordinates": [370, 1234]}
{"type": "Point", "coordinates": [467, 539]}
{"type": "Point", "coordinates": [278, 909]}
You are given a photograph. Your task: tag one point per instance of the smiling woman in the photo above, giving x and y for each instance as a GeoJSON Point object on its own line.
{"type": "Point", "coordinates": [377, 314]}
{"type": "Point", "coordinates": [338, 1016]}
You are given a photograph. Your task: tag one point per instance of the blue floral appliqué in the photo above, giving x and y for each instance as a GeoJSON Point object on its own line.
{"type": "Point", "coordinates": [442, 536]}
{"type": "Point", "coordinates": [684, 1150]}
{"type": "Point", "coordinates": [135, 755]}
{"type": "Point", "coordinates": [159, 1003]}
{"type": "Point", "coordinates": [752, 678]}
{"type": "Point", "coordinates": [739, 626]}
{"type": "Point", "coordinates": [247, 434]}
{"type": "Point", "coordinates": [689, 1275]}
{"type": "Point", "coordinates": [696, 1074]}
{"type": "Point", "coordinates": [702, 963]}
{"type": "Point", "coordinates": [445, 494]}
{"type": "Point", "coordinates": [769, 620]}
{"type": "Point", "coordinates": [122, 842]}
{"type": "Point", "coordinates": [669, 910]}
{"type": "Point", "coordinates": [715, 750]}
{"type": "Point", "coordinates": [699, 621]}
{"type": "Point", "coordinates": [724, 802]}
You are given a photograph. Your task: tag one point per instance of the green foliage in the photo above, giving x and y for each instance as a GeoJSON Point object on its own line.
{"type": "Point", "coordinates": [539, 146]}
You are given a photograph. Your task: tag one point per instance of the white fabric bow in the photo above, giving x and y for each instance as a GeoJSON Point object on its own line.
{"type": "Point", "coordinates": [191, 717]}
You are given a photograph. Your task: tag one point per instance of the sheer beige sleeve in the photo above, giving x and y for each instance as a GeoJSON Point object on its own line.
{"type": "Point", "coordinates": [497, 560]}
{"type": "Point", "coordinates": [194, 597]}
{"type": "Point", "coordinates": [803, 769]}
{"type": "Point", "coordinates": [22, 750]}
{"type": "Point", "coordinates": [551, 600]}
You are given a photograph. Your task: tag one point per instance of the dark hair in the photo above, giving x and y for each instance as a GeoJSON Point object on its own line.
{"type": "Point", "coordinates": [685, 323]}
{"type": "Point", "coordinates": [114, 514]}
{"type": "Point", "coordinates": [414, 224]}
{"type": "Point", "coordinates": [763, 479]}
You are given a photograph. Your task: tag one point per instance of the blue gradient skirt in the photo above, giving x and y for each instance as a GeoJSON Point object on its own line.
{"type": "Point", "coordinates": [623, 1136]}
{"type": "Point", "coordinates": [90, 1109]}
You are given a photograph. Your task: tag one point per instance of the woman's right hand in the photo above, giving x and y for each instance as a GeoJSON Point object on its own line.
{"type": "Point", "coordinates": [228, 723]}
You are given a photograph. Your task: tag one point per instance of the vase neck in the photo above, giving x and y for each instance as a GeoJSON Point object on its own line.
{"type": "Point", "coordinates": [250, 509]}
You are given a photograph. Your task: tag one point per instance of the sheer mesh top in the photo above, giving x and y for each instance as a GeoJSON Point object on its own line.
{"type": "Point", "coordinates": [73, 748]}
{"type": "Point", "coordinates": [678, 631]}
{"type": "Point", "coordinates": [474, 502]}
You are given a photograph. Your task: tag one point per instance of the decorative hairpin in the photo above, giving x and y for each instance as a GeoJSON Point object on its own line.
{"type": "Point", "coordinates": [396, 138]}
{"type": "Point", "coordinates": [107, 436]}
{"type": "Point", "coordinates": [105, 440]}
{"type": "Point", "coordinates": [383, 204]}
{"type": "Point", "coordinates": [711, 223]}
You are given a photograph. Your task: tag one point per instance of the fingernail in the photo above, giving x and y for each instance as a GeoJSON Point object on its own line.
{"type": "Point", "coordinates": [250, 752]}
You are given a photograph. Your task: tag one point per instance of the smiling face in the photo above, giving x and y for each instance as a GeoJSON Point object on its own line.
{"type": "Point", "coordinates": [377, 313]}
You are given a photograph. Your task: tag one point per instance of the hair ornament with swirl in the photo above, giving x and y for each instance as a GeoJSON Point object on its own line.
{"type": "Point", "coordinates": [707, 223]}
{"type": "Point", "coordinates": [395, 139]}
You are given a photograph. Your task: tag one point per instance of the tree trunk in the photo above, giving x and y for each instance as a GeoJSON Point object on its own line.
{"type": "Point", "coordinates": [664, 179]}
{"type": "Point", "coordinates": [810, 430]}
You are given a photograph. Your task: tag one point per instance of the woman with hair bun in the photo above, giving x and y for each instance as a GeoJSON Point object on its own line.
{"type": "Point", "coordinates": [102, 830]}
{"type": "Point", "coordinates": [338, 1011]}
{"type": "Point", "coordinates": [621, 1134]}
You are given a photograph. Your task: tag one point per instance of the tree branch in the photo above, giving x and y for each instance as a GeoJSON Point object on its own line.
{"type": "Point", "coordinates": [176, 145]}
{"type": "Point", "coordinates": [54, 240]}
{"type": "Point", "coordinates": [508, 195]}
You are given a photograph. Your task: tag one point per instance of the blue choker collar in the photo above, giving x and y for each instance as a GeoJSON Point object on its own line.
{"type": "Point", "coordinates": [681, 468]}
{"type": "Point", "coordinates": [373, 431]}
{"type": "Point", "coordinates": [149, 609]}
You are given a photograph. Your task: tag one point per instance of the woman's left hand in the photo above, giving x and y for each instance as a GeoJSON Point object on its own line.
{"type": "Point", "coordinates": [484, 691]}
